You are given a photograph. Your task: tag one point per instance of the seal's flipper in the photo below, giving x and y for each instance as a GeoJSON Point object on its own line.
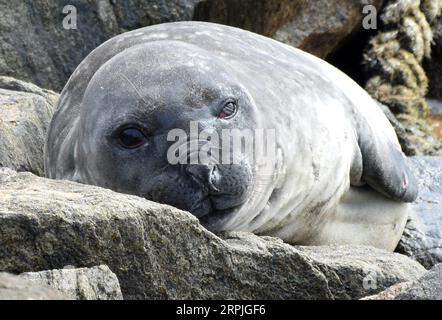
{"type": "Point", "coordinates": [384, 165]}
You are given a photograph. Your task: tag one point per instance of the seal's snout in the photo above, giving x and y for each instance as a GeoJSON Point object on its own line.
{"type": "Point", "coordinates": [224, 188]}
{"type": "Point", "coordinates": [206, 175]}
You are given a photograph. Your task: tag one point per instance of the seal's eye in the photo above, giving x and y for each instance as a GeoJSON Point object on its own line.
{"type": "Point", "coordinates": [131, 138]}
{"type": "Point", "coordinates": [228, 111]}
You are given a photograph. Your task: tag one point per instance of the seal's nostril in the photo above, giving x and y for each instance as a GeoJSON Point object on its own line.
{"type": "Point", "coordinates": [214, 178]}
{"type": "Point", "coordinates": [199, 172]}
{"type": "Point", "coordinates": [206, 175]}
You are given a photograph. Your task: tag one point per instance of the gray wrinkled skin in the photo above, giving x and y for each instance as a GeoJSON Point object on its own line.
{"type": "Point", "coordinates": [334, 145]}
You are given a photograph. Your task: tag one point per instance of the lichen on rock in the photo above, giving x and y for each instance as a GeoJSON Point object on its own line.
{"type": "Point", "coordinates": [393, 61]}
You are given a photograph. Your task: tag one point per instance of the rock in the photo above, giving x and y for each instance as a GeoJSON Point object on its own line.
{"type": "Point", "coordinates": [422, 239]}
{"type": "Point", "coordinates": [408, 147]}
{"type": "Point", "coordinates": [390, 293]}
{"type": "Point", "coordinates": [160, 252]}
{"type": "Point", "coordinates": [411, 141]}
{"type": "Point", "coordinates": [25, 113]}
{"type": "Point", "coordinates": [15, 288]}
{"type": "Point", "coordinates": [428, 287]}
{"type": "Point", "coordinates": [317, 27]}
{"type": "Point", "coordinates": [436, 116]}
{"type": "Point", "coordinates": [97, 283]}
{"type": "Point", "coordinates": [435, 106]}
{"type": "Point", "coordinates": [34, 46]}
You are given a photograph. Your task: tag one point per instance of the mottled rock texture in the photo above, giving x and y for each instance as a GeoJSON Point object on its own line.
{"type": "Point", "coordinates": [97, 283]}
{"type": "Point", "coordinates": [14, 288]}
{"type": "Point", "coordinates": [158, 251]}
{"type": "Point", "coordinates": [428, 287]}
{"type": "Point", "coordinates": [34, 45]}
{"type": "Point", "coordinates": [422, 239]}
{"type": "Point", "coordinates": [25, 114]}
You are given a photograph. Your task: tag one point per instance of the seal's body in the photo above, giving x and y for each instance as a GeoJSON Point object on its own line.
{"type": "Point", "coordinates": [338, 175]}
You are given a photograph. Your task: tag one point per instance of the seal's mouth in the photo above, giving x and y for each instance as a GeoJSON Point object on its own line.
{"type": "Point", "coordinates": [216, 218]}
{"type": "Point", "coordinates": [219, 206]}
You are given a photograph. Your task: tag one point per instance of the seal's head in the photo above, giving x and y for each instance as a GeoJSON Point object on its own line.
{"type": "Point", "coordinates": [136, 100]}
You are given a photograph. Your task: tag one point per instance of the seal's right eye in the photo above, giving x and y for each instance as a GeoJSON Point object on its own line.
{"type": "Point", "coordinates": [228, 111]}
{"type": "Point", "coordinates": [131, 138]}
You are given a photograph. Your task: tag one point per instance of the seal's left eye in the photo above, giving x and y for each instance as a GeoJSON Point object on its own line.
{"type": "Point", "coordinates": [228, 111]}
{"type": "Point", "coordinates": [131, 138]}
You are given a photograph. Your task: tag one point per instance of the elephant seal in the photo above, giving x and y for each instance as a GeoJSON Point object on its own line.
{"type": "Point", "coordinates": [338, 174]}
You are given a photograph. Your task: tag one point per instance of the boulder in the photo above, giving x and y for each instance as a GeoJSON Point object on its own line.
{"type": "Point", "coordinates": [160, 252]}
{"type": "Point", "coordinates": [14, 288]}
{"type": "Point", "coordinates": [435, 106]}
{"type": "Point", "coordinates": [317, 27]}
{"type": "Point", "coordinates": [408, 146]}
{"type": "Point", "coordinates": [390, 293]}
{"type": "Point", "coordinates": [428, 287]}
{"type": "Point", "coordinates": [35, 46]}
{"type": "Point", "coordinates": [422, 239]}
{"type": "Point", "coordinates": [97, 283]}
{"type": "Point", "coordinates": [25, 114]}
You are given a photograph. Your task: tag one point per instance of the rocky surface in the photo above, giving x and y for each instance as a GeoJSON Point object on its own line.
{"type": "Point", "coordinates": [390, 293]}
{"type": "Point", "coordinates": [435, 106]}
{"type": "Point", "coordinates": [408, 147]}
{"type": "Point", "coordinates": [97, 283]}
{"type": "Point", "coordinates": [422, 239]}
{"type": "Point", "coordinates": [428, 287]}
{"type": "Point", "coordinates": [25, 113]}
{"type": "Point", "coordinates": [14, 288]}
{"type": "Point", "coordinates": [314, 26]}
{"type": "Point", "coordinates": [40, 50]}
{"type": "Point", "coordinates": [158, 251]}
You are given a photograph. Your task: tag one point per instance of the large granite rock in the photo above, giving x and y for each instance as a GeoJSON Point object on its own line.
{"type": "Point", "coordinates": [314, 26]}
{"type": "Point", "coordinates": [158, 251]}
{"type": "Point", "coordinates": [25, 113]}
{"type": "Point", "coordinates": [428, 287]}
{"type": "Point", "coordinates": [34, 46]}
{"type": "Point", "coordinates": [14, 288]}
{"type": "Point", "coordinates": [97, 283]}
{"type": "Point", "coordinates": [422, 239]}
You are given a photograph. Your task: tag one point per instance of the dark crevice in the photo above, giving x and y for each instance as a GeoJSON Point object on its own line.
{"type": "Point", "coordinates": [348, 57]}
